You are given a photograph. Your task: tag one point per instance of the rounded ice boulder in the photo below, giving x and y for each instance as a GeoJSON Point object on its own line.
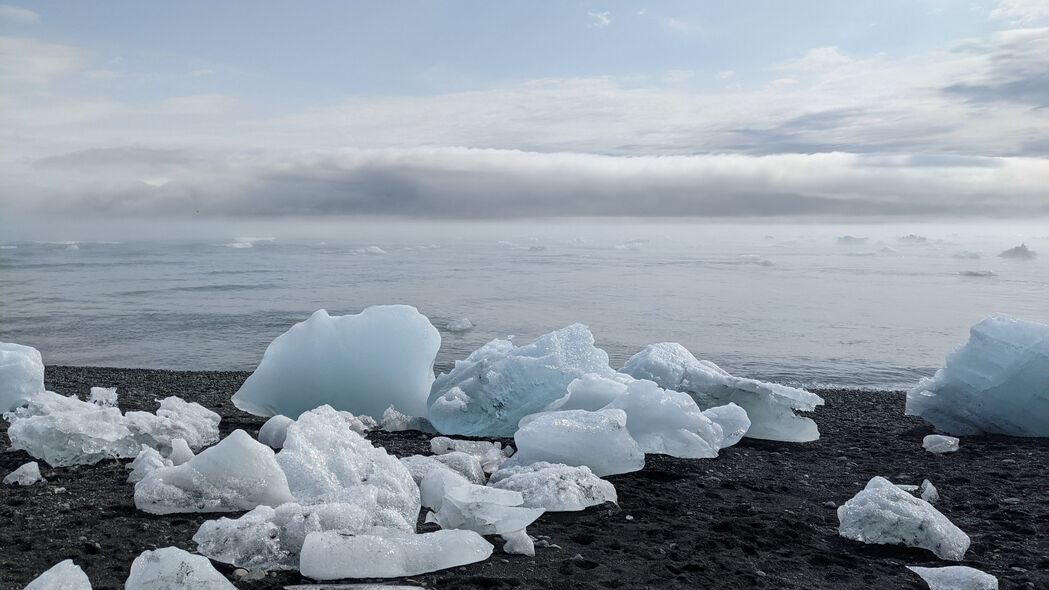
{"type": "Point", "coordinates": [361, 363]}
{"type": "Point", "coordinates": [21, 375]}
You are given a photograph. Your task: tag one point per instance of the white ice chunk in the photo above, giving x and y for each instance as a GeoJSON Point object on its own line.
{"type": "Point", "coordinates": [271, 538]}
{"type": "Point", "coordinates": [176, 418]}
{"type": "Point", "coordinates": [103, 396]}
{"type": "Point", "coordinates": [66, 431]}
{"type": "Point", "coordinates": [21, 375]}
{"type": "Point", "coordinates": [332, 555]}
{"type": "Point", "coordinates": [64, 575]}
{"type": "Point", "coordinates": [435, 482]}
{"type": "Point", "coordinates": [459, 325]}
{"type": "Point", "coordinates": [939, 443]}
{"type": "Point", "coordinates": [555, 487]}
{"type": "Point", "coordinates": [591, 392]}
{"type": "Point", "coordinates": [997, 383]}
{"type": "Point", "coordinates": [884, 514]}
{"type": "Point", "coordinates": [236, 474]}
{"type": "Point", "coordinates": [498, 384]}
{"type": "Point", "coordinates": [394, 421]}
{"type": "Point", "coordinates": [955, 577]}
{"type": "Point", "coordinates": [180, 452]}
{"type": "Point", "coordinates": [668, 422]}
{"type": "Point", "coordinates": [361, 363]}
{"type": "Point", "coordinates": [274, 430]}
{"type": "Point", "coordinates": [518, 543]}
{"type": "Point", "coordinates": [769, 406]}
{"type": "Point", "coordinates": [733, 421]}
{"type": "Point", "coordinates": [172, 568]}
{"type": "Point", "coordinates": [490, 454]}
{"type": "Point", "coordinates": [326, 461]}
{"type": "Point", "coordinates": [26, 475]}
{"type": "Point", "coordinates": [600, 440]}
{"type": "Point", "coordinates": [465, 465]}
{"type": "Point", "coordinates": [147, 461]}
{"type": "Point", "coordinates": [489, 511]}
{"type": "Point", "coordinates": [929, 492]}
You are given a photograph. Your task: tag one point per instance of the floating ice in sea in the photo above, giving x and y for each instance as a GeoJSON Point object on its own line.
{"type": "Point", "coordinates": [668, 422]}
{"type": "Point", "coordinates": [394, 421]}
{"type": "Point", "coordinates": [997, 383]}
{"type": "Point", "coordinates": [554, 487]}
{"type": "Point", "coordinates": [459, 325]}
{"type": "Point", "coordinates": [929, 492]}
{"type": "Point", "coordinates": [271, 538]}
{"type": "Point", "coordinates": [498, 384]}
{"type": "Point", "coordinates": [461, 463]}
{"type": "Point", "coordinates": [64, 575]}
{"type": "Point", "coordinates": [769, 406]}
{"type": "Point", "coordinates": [362, 363]}
{"type": "Point", "coordinates": [884, 514]}
{"type": "Point", "coordinates": [938, 443]}
{"type": "Point", "coordinates": [385, 553]}
{"type": "Point", "coordinates": [591, 392]}
{"type": "Point", "coordinates": [274, 430]}
{"type": "Point", "coordinates": [26, 475]}
{"type": "Point", "coordinates": [955, 577]}
{"type": "Point", "coordinates": [755, 259]}
{"type": "Point", "coordinates": [1021, 252]}
{"type": "Point", "coordinates": [103, 396]}
{"type": "Point", "coordinates": [236, 474]}
{"type": "Point", "coordinates": [21, 375]}
{"type": "Point", "coordinates": [326, 461]}
{"type": "Point", "coordinates": [490, 454]}
{"type": "Point", "coordinates": [733, 421]}
{"type": "Point", "coordinates": [172, 568]}
{"type": "Point", "coordinates": [600, 440]}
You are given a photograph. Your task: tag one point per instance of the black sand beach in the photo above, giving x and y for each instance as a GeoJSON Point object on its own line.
{"type": "Point", "coordinates": [760, 516]}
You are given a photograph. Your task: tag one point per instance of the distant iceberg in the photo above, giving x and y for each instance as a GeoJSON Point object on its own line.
{"type": "Point", "coordinates": [1021, 252]}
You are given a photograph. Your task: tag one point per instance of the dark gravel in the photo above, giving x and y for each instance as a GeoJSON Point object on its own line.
{"type": "Point", "coordinates": [760, 516]}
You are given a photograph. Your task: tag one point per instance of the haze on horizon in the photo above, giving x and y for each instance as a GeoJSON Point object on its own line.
{"type": "Point", "coordinates": [900, 110]}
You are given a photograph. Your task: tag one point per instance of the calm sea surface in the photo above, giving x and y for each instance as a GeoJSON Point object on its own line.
{"type": "Point", "coordinates": [796, 304]}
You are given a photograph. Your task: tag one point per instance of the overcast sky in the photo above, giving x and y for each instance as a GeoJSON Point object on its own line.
{"type": "Point", "coordinates": [912, 108]}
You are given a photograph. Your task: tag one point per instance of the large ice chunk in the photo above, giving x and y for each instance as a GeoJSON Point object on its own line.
{"type": "Point", "coordinates": [26, 475]}
{"type": "Point", "coordinates": [600, 440]}
{"type": "Point", "coordinates": [554, 487]}
{"type": "Point", "coordinates": [997, 383]}
{"type": "Point", "coordinates": [592, 392]}
{"type": "Point", "coordinates": [176, 418]}
{"type": "Point", "coordinates": [21, 375]}
{"type": "Point", "coordinates": [326, 461]}
{"type": "Point", "coordinates": [361, 363]}
{"type": "Point", "coordinates": [884, 514]}
{"type": "Point", "coordinates": [490, 454]}
{"type": "Point", "coordinates": [733, 421]}
{"type": "Point", "coordinates": [955, 577]}
{"type": "Point", "coordinates": [236, 474]}
{"type": "Point", "coordinates": [457, 462]}
{"type": "Point", "coordinates": [171, 568]}
{"type": "Point", "coordinates": [769, 406]}
{"type": "Point", "coordinates": [668, 422]}
{"type": "Point", "coordinates": [64, 575]}
{"type": "Point", "coordinates": [386, 553]}
{"type": "Point", "coordinates": [489, 511]}
{"type": "Point", "coordinates": [498, 384]}
{"type": "Point", "coordinates": [271, 538]}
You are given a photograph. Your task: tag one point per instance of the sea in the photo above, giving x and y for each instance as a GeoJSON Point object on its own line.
{"type": "Point", "coordinates": [873, 306]}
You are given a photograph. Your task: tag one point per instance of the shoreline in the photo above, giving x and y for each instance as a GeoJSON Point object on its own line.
{"type": "Point", "coordinates": [761, 515]}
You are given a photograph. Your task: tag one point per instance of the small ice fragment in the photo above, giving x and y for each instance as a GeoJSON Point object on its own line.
{"type": "Point", "coordinates": [274, 430]}
{"type": "Point", "coordinates": [668, 422]}
{"type": "Point", "coordinates": [489, 511]}
{"type": "Point", "coordinates": [518, 543]}
{"type": "Point", "coordinates": [955, 577]}
{"type": "Point", "coordinates": [459, 325]}
{"type": "Point", "coordinates": [554, 487]}
{"type": "Point", "coordinates": [21, 375]}
{"type": "Point", "coordinates": [490, 454]}
{"type": "Point", "coordinates": [394, 421]}
{"type": "Point", "coordinates": [938, 443]}
{"type": "Point", "coordinates": [26, 475]}
{"type": "Point", "coordinates": [461, 463]}
{"type": "Point", "coordinates": [929, 492]}
{"type": "Point", "coordinates": [147, 461]}
{"type": "Point", "coordinates": [180, 452]}
{"type": "Point", "coordinates": [882, 513]}
{"type": "Point", "coordinates": [385, 553]}
{"type": "Point", "coordinates": [176, 418]}
{"type": "Point", "coordinates": [591, 392]}
{"type": "Point", "coordinates": [103, 396]}
{"type": "Point", "coordinates": [600, 440]}
{"type": "Point", "coordinates": [733, 421]}
{"type": "Point", "coordinates": [64, 575]}
{"type": "Point", "coordinates": [172, 568]}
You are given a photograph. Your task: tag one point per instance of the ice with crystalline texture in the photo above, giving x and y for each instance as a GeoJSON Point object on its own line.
{"type": "Point", "coordinates": [271, 538]}
{"type": "Point", "coordinates": [176, 418]}
{"type": "Point", "coordinates": [147, 461]}
{"type": "Point", "coordinates": [180, 452]}
{"type": "Point", "coordinates": [733, 421]}
{"type": "Point", "coordinates": [518, 543]}
{"type": "Point", "coordinates": [600, 440]}
{"type": "Point", "coordinates": [394, 421]}
{"type": "Point", "coordinates": [171, 568]}
{"type": "Point", "coordinates": [938, 443]}
{"type": "Point", "coordinates": [274, 430]}
{"type": "Point", "coordinates": [457, 462]}
{"type": "Point", "coordinates": [668, 422]}
{"type": "Point", "coordinates": [997, 383]}
{"type": "Point", "coordinates": [326, 461]}
{"type": "Point", "coordinates": [486, 510]}
{"type": "Point", "coordinates": [490, 454]}
{"type": "Point", "coordinates": [103, 396]}
{"type": "Point", "coordinates": [769, 406]}
{"type": "Point", "coordinates": [361, 363]}
{"type": "Point", "coordinates": [66, 431]}
{"type": "Point", "coordinates": [591, 392]}
{"type": "Point", "coordinates": [492, 389]}
{"type": "Point", "coordinates": [26, 475]}
{"type": "Point", "coordinates": [929, 492]}
{"type": "Point", "coordinates": [332, 555]}
{"type": "Point", "coordinates": [555, 487]}
{"type": "Point", "coordinates": [884, 514]}
{"type": "Point", "coordinates": [64, 575]}
{"type": "Point", "coordinates": [236, 474]}
{"type": "Point", "coordinates": [21, 375]}
{"type": "Point", "coordinates": [1021, 252]}
{"type": "Point", "coordinates": [955, 577]}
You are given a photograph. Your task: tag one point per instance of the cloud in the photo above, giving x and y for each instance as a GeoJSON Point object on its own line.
{"type": "Point", "coordinates": [599, 20]}
{"type": "Point", "coordinates": [681, 26]}
{"type": "Point", "coordinates": [28, 61]}
{"type": "Point", "coordinates": [198, 104]}
{"type": "Point", "coordinates": [18, 15]}
{"type": "Point", "coordinates": [1014, 67]}
{"type": "Point", "coordinates": [1021, 12]}
{"type": "Point", "coordinates": [818, 58]}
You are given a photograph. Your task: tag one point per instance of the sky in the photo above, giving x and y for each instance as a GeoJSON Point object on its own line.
{"type": "Point", "coordinates": [900, 109]}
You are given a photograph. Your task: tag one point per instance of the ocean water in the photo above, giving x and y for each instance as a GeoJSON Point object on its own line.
{"type": "Point", "coordinates": [798, 304]}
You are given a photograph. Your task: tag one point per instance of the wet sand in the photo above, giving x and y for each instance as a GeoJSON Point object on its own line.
{"type": "Point", "coordinates": [762, 515]}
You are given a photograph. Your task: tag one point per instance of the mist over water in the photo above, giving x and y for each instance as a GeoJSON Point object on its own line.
{"type": "Point", "coordinates": [866, 306]}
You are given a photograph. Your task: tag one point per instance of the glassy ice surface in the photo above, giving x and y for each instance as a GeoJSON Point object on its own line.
{"type": "Point", "coordinates": [733, 421]}
{"type": "Point", "coordinates": [955, 577]}
{"type": "Point", "coordinates": [171, 568]}
{"type": "Point", "coordinates": [64, 575]}
{"type": "Point", "coordinates": [25, 475]}
{"type": "Point", "coordinates": [940, 443]}
{"type": "Point", "coordinates": [600, 440]}
{"type": "Point", "coordinates": [21, 374]}
{"type": "Point", "coordinates": [388, 553]}
{"type": "Point", "coordinates": [668, 422]}
{"type": "Point", "coordinates": [555, 487]}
